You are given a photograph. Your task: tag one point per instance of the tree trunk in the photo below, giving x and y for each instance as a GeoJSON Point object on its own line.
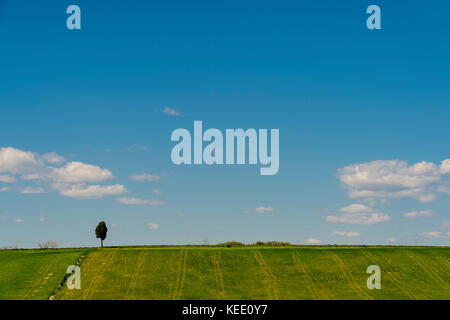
{"type": "Point", "coordinates": [102, 242]}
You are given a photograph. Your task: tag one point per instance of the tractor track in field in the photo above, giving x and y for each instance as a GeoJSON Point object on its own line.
{"type": "Point", "coordinates": [397, 281]}
{"type": "Point", "coordinates": [217, 260]}
{"type": "Point", "coordinates": [181, 274]}
{"type": "Point", "coordinates": [135, 279]}
{"type": "Point", "coordinates": [304, 270]}
{"type": "Point", "coordinates": [347, 274]}
{"type": "Point", "coordinates": [272, 289]}
{"type": "Point", "coordinates": [428, 270]}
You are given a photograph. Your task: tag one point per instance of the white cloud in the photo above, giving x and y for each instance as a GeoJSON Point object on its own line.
{"type": "Point", "coordinates": [157, 192]}
{"type": "Point", "coordinates": [436, 235]}
{"type": "Point", "coordinates": [152, 226]}
{"type": "Point", "coordinates": [349, 234]}
{"type": "Point", "coordinates": [263, 209]}
{"type": "Point", "coordinates": [83, 191]}
{"type": "Point", "coordinates": [358, 214]}
{"type": "Point", "coordinates": [16, 161]}
{"type": "Point", "coordinates": [363, 218]}
{"type": "Point", "coordinates": [19, 220]}
{"type": "Point", "coordinates": [53, 158]}
{"type": "Point", "coordinates": [137, 201]}
{"type": "Point", "coordinates": [391, 179]}
{"type": "Point", "coordinates": [4, 189]}
{"type": "Point", "coordinates": [7, 179]}
{"type": "Point", "coordinates": [145, 177]}
{"type": "Point", "coordinates": [31, 190]}
{"type": "Point", "coordinates": [445, 166]}
{"type": "Point", "coordinates": [355, 208]}
{"type": "Point", "coordinates": [418, 214]}
{"type": "Point", "coordinates": [391, 240]}
{"type": "Point", "coordinates": [171, 112]}
{"type": "Point", "coordinates": [76, 172]}
{"type": "Point", "coordinates": [41, 219]}
{"type": "Point", "coordinates": [313, 241]}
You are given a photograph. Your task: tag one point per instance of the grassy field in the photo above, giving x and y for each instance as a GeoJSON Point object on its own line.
{"type": "Point", "coordinates": [33, 274]}
{"type": "Point", "coordinates": [229, 273]}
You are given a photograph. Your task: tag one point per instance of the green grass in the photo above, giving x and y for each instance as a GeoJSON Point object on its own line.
{"type": "Point", "coordinates": [230, 273]}
{"type": "Point", "coordinates": [33, 274]}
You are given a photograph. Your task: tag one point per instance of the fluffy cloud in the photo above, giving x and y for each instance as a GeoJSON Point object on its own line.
{"type": "Point", "coordinates": [16, 161]}
{"type": "Point", "coordinates": [145, 177]}
{"type": "Point", "coordinates": [355, 208]}
{"type": "Point", "coordinates": [83, 191]}
{"type": "Point", "coordinates": [359, 214]}
{"type": "Point", "coordinates": [263, 209]}
{"type": "Point", "coordinates": [7, 179]}
{"type": "Point", "coordinates": [137, 201]}
{"type": "Point", "coordinates": [171, 112]}
{"type": "Point", "coordinates": [349, 234]}
{"type": "Point", "coordinates": [436, 235]}
{"type": "Point", "coordinates": [76, 172]}
{"type": "Point", "coordinates": [19, 221]}
{"type": "Point", "coordinates": [152, 226]}
{"type": "Point", "coordinates": [391, 240]}
{"type": "Point", "coordinates": [445, 166]}
{"type": "Point", "coordinates": [4, 189]}
{"type": "Point", "coordinates": [418, 214]}
{"type": "Point", "coordinates": [313, 241]}
{"type": "Point", "coordinates": [393, 179]}
{"type": "Point", "coordinates": [31, 190]}
{"type": "Point", "coordinates": [53, 158]}
{"type": "Point", "coordinates": [70, 180]}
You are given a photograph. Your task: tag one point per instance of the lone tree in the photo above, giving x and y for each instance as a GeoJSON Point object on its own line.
{"type": "Point", "coordinates": [101, 230]}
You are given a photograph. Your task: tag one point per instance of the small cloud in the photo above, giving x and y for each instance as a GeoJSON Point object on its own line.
{"type": "Point", "coordinates": [263, 209]}
{"type": "Point", "coordinates": [246, 211]}
{"type": "Point", "coordinates": [152, 226]}
{"type": "Point", "coordinates": [83, 191]}
{"type": "Point", "coordinates": [41, 219]}
{"type": "Point", "coordinates": [145, 177]}
{"type": "Point", "coordinates": [53, 158]}
{"type": "Point", "coordinates": [391, 240]}
{"type": "Point", "coordinates": [137, 201]}
{"type": "Point", "coordinates": [356, 208]}
{"type": "Point", "coordinates": [313, 241]}
{"type": "Point", "coordinates": [7, 179]}
{"type": "Point", "coordinates": [359, 214]}
{"type": "Point", "coordinates": [19, 221]}
{"type": "Point", "coordinates": [180, 215]}
{"type": "Point", "coordinates": [349, 234]}
{"type": "Point", "coordinates": [4, 189]}
{"type": "Point", "coordinates": [418, 214]}
{"type": "Point", "coordinates": [31, 190]}
{"type": "Point", "coordinates": [436, 235]}
{"type": "Point", "coordinates": [171, 112]}
{"type": "Point", "coordinates": [157, 192]}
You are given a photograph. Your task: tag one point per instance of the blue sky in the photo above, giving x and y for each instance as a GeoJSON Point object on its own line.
{"type": "Point", "coordinates": [341, 95]}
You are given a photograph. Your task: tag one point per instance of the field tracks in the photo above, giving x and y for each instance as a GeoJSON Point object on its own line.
{"type": "Point", "coordinates": [428, 269]}
{"type": "Point", "coordinates": [271, 288]}
{"type": "Point", "coordinates": [217, 260]}
{"type": "Point", "coordinates": [390, 275]}
{"type": "Point", "coordinates": [135, 279]}
{"type": "Point", "coordinates": [347, 274]}
{"type": "Point", "coordinates": [181, 274]}
{"type": "Point", "coordinates": [304, 271]}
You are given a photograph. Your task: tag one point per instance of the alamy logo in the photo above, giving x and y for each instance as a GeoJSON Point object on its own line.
{"type": "Point", "coordinates": [235, 147]}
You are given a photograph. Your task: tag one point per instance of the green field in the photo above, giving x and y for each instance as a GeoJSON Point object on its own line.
{"type": "Point", "coordinates": [228, 273]}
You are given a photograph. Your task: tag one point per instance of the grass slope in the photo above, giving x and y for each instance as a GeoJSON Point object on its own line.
{"type": "Point", "coordinates": [33, 274]}
{"type": "Point", "coordinates": [231, 273]}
